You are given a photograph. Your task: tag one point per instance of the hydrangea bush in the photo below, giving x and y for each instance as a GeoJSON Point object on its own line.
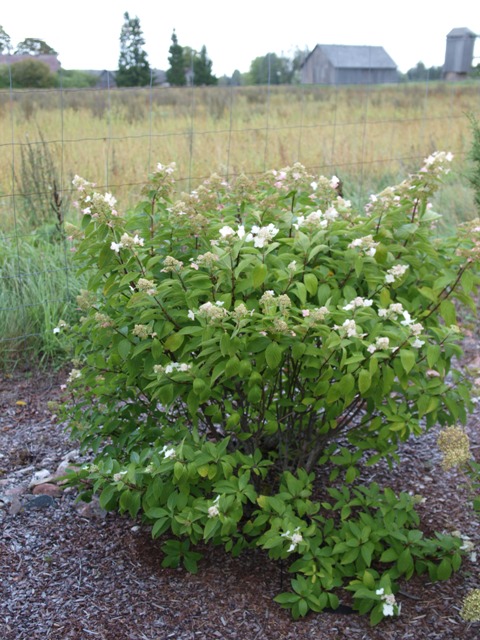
{"type": "Point", "coordinates": [236, 341]}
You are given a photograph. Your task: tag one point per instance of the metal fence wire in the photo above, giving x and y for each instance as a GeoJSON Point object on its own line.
{"type": "Point", "coordinates": [368, 135]}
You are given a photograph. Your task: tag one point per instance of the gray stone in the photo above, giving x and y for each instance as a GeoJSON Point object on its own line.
{"type": "Point", "coordinates": [40, 502]}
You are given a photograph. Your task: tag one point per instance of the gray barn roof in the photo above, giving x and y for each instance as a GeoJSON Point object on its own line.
{"type": "Point", "coordinates": [357, 56]}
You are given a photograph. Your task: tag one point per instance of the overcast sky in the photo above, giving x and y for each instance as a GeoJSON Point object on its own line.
{"type": "Point", "coordinates": [86, 33]}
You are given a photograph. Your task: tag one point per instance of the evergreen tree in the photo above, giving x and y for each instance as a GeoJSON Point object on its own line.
{"type": "Point", "coordinates": [133, 66]}
{"type": "Point", "coordinates": [202, 69]}
{"type": "Point", "coordinates": [35, 47]}
{"type": "Point", "coordinates": [176, 73]}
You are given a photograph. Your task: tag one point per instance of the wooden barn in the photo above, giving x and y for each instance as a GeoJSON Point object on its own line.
{"type": "Point", "coordinates": [348, 64]}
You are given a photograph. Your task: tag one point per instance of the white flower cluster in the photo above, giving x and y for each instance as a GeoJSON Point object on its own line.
{"type": "Point", "coordinates": [393, 311]}
{"type": "Point", "coordinates": [260, 236]}
{"type": "Point", "coordinates": [437, 161]}
{"type": "Point", "coordinates": [390, 606]}
{"type": "Point", "coordinates": [142, 331]}
{"type": "Point", "coordinates": [358, 302]}
{"type": "Point", "coordinates": [367, 244]}
{"type": "Point", "coordinates": [92, 203]}
{"type": "Point", "coordinates": [207, 259]}
{"type": "Point", "coordinates": [228, 233]}
{"type": "Point", "coordinates": [61, 325]}
{"type": "Point", "coordinates": [74, 375]}
{"type": "Point", "coordinates": [213, 510]}
{"type": "Point", "coordinates": [127, 242]}
{"type": "Point", "coordinates": [317, 219]}
{"type": "Point", "coordinates": [172, 264]}
{"type": "Point", "coordinates": [350, 329]}
{"type": "Point", "coordinates": [148, 286]}
{"type": "Point", "coordinates": [267, 301]}
{"type": "Point", "coordinates": [241, 311]}
{"type": "Point", "coordinates": [168, 169]}
{"type": "Point", "coordinates": [317, 315]}
{"type": "Point", "coordinates": [80, 183]}
{"type": "Point", "coordinates": [211, 312]}
{"type": "Point", "coordinates": [117, 477]}
{"type": "Point", "coordinates": [172, 367]}
{"type": "Point", "coordinates": [295, 538]}
{"type": "Point", "coordinates": [167, 452]}
{"type": "Point", "coordinates": [396, 272]}
{"type": "Point", "coordinates": [380, 343]}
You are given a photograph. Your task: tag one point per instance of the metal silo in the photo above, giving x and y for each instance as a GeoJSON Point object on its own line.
{"type": "Point", "coordinates": [459, 53]}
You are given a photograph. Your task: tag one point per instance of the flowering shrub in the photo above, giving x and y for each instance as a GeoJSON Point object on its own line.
{"type": "Point", "coordinates": [236, 338]}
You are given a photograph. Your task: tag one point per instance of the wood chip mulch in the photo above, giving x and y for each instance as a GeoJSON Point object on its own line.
{"type": "Point", "coordinates": [70, 571]}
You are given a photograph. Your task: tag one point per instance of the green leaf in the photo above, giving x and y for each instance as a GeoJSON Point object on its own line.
{"type": "Point", "coordinates": [273, 355]}
{"type": "Point", "coordinates": [433, 354]}
{"type": "Point", "coordinates": [123, 348]}
{"type": "Point", "coordinates": [259, 274]}
{"type": "Point", "coordinates": [444, 569]}
{"type": "Point", "coordinates": [364, 380]}
{"type": "Point", "coordinates": [286, 598]}
{"type": "Point", "coordinates": [107, 497]}
{"type": "Point", "coordinates": [130, 501]}
{"type": "Point", "coordinates": [225, 344]}
{"type": "Point", "coordinates": [376, 615]}
{"type": "Point", "coordinates": [448, 312]}
{"type": "Point", "coordinates": [174, 342]}
{"type": "Point", "coordinates": [300, 291]}
{"type": "Point", "coordinates": [407, 358]}
{"type": "Point", "coordinates": [311, 283]}
{"type": "Point", "coordinates": [467, 281]}
{"type": "Point", "coordinates": [232, 367]}
{"type": "Point", "coordinates": [165, 393]}
{"type": "Point", "coordinates": [212, 525]}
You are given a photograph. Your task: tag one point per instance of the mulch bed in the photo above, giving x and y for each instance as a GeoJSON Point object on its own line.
{"type": "Point", "coordinates": [70, 571]}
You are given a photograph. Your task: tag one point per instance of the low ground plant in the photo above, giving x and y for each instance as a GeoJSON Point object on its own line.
{"type": "Point", "coordinates": [239, 339]}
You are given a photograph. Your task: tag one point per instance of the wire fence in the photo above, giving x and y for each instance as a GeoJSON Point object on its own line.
{"type": "Point", "coordinates": [368, 135]}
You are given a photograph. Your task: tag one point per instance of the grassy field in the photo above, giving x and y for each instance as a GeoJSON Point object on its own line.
{"type": "Point", "coordinates": [370, 136]}
{"type": "Point", "coordinates": [367, 134]}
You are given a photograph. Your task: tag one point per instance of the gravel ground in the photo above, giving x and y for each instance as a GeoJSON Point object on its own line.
{"type": "Point", "coordinates": [71, 571]}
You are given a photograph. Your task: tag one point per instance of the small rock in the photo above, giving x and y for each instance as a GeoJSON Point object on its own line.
{"type": "Point", "coordinates": [40, 502]}
{"type": "Point", "coordinates": [16, 491]}
{"type": "Point", "coordinates": [71, 455]}
{"type": "Point", "coordinates": [91, 510]}
{"type": "Point", "coordinates": [47, 489]}
{"type": "Point", "coordinates": [39, 477]}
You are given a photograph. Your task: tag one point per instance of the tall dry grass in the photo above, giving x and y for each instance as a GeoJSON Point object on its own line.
{"type": "Point", "coordinates": [115, 137]}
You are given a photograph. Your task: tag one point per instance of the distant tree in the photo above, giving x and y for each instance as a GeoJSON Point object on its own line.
{"type": "Point", "coordinates": [74, 79]}
{"type": "Point", "coordinates": [176, 73]}
{"type": "Point", "coordinates": [420, 73]}
{"type": "Point", "coordinates": [35, 47]}
{"type": "Point", "coordinates": [5, 42]}
{"type": "Point", "coordinates": [31, 74]}
{"type": "Point", "coordinates": [133, 66]}
{"type": "Point", "coordinates": [236, 78]}
{"type": "Point", "coordinates": [271, 69]}
{"type": "Point", "coordinates": [298, 59]}
{"type": "Point", "coordinates": [202, 69]}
